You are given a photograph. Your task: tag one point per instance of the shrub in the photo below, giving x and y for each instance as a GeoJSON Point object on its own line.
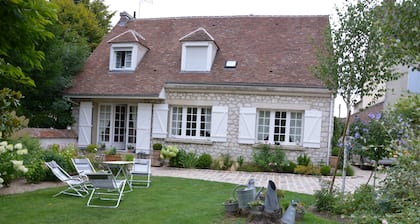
{"type": "Point", "coordinates": [204, 161]}
{"type": "Point", "coordinates": [36, 172]}
{"type": "Point", "coordinates": [128, 157]}
{"type": "Point", "coordinates": [349, 171]}
{"type": "Point", "coordinates": [325, 170]}
{"type": "Point", "coordinates": [249, 167]}
{"type": "Point", "coordinates": [176, 161]}
{"type": "Point", "coordinates": [223, 162]}
{"type": "Point", "coordinates": [308, 170]}
{"type": "Point", "coordinates": [240, 160]}
{"type": "Point", "coordinates": [288, 167]}
{"type": "Point", "coordinates": [92, 148]}
{"type": "Point", "coordinates": [324, 199]}
{"type": "Point", "coordinates": [190, 160]}
{"type": "Point", "coordinates": [269, 159]}
{"type": "Point", "coordinates": [303, 160]}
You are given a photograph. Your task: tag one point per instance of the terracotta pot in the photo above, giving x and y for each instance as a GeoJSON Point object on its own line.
{"type": "Point", "coordinates": [333, 161]}
{"type": "Point", "coordinates": [112, 157]}
{"type": "Point", "coordinates": [156, 158]}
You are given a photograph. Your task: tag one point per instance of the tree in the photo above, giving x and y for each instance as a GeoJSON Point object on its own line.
{"type": "Point", "coordinates": [23, 25]}
{"type": "Point", "coordinates": [353, 62]}
{"type": "Point", "coordinates": [400, 27]}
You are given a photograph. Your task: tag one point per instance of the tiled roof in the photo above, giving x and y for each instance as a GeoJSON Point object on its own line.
{"type": "Point", "coordinates": [270, 50]}
{"type": "Point", "coordinates": [199, 34]}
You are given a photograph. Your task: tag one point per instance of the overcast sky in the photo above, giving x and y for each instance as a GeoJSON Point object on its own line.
{"type": "Point", "coordinates": [181, 8]}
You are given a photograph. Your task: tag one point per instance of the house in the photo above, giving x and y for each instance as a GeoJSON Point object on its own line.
{"type": "Point", "coordinates": [48, 136]}
{"type": "Point", "coordinates": [217, 85]}
{"type": "Point", "coordinates": [407, 84]}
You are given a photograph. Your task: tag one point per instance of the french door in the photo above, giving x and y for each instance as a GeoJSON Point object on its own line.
{"type": "Point", "coordinates": [117, 125]}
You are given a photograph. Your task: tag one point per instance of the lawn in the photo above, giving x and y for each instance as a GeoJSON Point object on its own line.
{"type": "Point", "coordinates": [168, 200]}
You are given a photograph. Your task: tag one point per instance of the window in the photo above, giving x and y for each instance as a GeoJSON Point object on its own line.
{"type": "Point", "coordinates": [198, 56]}
{"type": "Point", "coordinates": [279, 127]}
{"type": "Point", "coordinates": [123, 59]}
{"type": "Point", "coordinates": [194, 122]}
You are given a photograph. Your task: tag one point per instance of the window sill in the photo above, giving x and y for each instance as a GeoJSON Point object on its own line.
{"type": "Point", "coordinates": [191, 141]}
{"type": "Point", "coordinates": [285, 147]}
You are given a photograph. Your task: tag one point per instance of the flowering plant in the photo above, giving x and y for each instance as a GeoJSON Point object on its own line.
{"type": "Point", "coordinates": [169, 152]}
{"type": "Point", "coordinates": [371, 137]}
{"type": "Point", "coordinates": [11, 163]}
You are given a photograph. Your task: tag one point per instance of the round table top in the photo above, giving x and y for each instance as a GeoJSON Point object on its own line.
{"type": "Point", "coordinates": [118, 162]}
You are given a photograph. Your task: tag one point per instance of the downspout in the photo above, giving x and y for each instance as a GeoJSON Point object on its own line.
{"type": "Point", "coordinates": [330, 130]}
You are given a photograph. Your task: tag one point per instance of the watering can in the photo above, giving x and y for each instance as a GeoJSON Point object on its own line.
{"type": "Point", "coordinates": [246, 193]}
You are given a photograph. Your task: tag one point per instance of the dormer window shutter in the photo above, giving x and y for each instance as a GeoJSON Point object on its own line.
{"type": "Point", "coordinates": [312, 129]}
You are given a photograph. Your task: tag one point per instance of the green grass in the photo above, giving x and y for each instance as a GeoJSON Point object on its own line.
{"type": "Point", "coordinates": [168, 200]}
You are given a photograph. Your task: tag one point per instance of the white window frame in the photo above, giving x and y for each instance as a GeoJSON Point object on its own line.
{"type": "Point", "coordinates": [270, 127]}
{"type": "Point", "coordinates": [137, 53]}
{"type": "Point", "coordinates": [182, 120]}
{"type": "Point", "coordinates": [209, 57]}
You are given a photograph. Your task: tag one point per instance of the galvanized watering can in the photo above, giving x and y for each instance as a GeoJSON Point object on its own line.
{"type": "Point", "coordinates": [246, 193]}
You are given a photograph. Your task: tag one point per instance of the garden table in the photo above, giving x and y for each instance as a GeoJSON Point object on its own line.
{"type": "Point", "coordinates": [121, 170]}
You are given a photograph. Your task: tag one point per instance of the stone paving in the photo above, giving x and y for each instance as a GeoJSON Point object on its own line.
{"type": "Point", "coordinates": [289, 182]}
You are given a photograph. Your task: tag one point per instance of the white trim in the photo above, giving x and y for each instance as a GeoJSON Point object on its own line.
{"type": "Point", "coordinates": [247, 125]}
{"type": "Point", "coordinates": [144, 126]}
{"type": "Point", "coordinates": [160, 121]}
{"type": "Point", "coordinates": [219, 118]}
{"type": "Point", "coordinates": [312, 129]}
{"type": "Point", "coordinates": [85, 124]}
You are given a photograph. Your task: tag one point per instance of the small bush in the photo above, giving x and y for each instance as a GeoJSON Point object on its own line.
{"type": "Point", "coordinates": [190, 160]}
{"type": "Point", "coordinates": [240, 160]}
{"type": "Point", "coordinates": [204, 161]}
{"type": "Point", "coordinates": [269, 159]}
{"type": "Point", "coordinates": [307, 170]}
{"type": "Point", "coordinates": [288, 167]}
{"type": "Point", "coordinates": [349, 170]}
{"type": "Point", "coordinates": [325, 170]}
{"type": "Point", "coordinates": [223, 162]}
{"type": "Point", "coordinates": [92, 148]}
{"type": "Point", "coordinates": [36, 172]}
{"type": "Point", "coordinates": [249, 167]}
{"type": "Point", "coordinates": [304, 160]}
{"type": "Point", "coordinates": [324, 199]}
{"type": "Point", "coordinates": [176, 161]}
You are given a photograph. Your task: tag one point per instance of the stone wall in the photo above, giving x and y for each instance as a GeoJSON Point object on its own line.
{"type": "Point", "coordinates": [234, 102]}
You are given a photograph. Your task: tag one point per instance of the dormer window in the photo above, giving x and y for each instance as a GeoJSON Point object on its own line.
{"type": "Point", "coordinates": [123, 58]}
{"type": "Point", "coordinates": [126, 51]}
{"type": "Point", "coordinates": [198, 51]}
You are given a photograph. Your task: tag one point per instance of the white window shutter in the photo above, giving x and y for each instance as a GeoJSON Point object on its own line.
{"type": "Point", "coordinates": [312, 129]}
{"type": "Point", "coordinates": [160, 120]}
{"type": "Point", "coordinates": [219, 117]}
{"type": "Point", "coordinates": [247, 122]}
{"type": "Point", "coordinates": [144, 126]}
{"type": "Point", "coordinates": [85, 124]}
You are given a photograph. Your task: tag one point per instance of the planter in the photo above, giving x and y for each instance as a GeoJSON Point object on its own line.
{"type": "Point", "coordinates": [112, 157]}
{"type": "Point", "coordinates": [156, 158]}
{"type": "Point", "coordinates": [231, 207]}
{"type": "Point", "coordinates": [333, 161]}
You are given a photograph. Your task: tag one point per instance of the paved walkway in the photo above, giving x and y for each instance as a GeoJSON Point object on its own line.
{"type": "Point", "coordinates": [289, 182]}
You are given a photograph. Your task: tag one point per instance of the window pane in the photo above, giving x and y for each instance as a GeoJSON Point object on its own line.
{"type": "Point", "coordinates": [176, 121]}
{"type": "Point", "coordinates": [263, 125]}
{"type": "Point", "coordinates": [191, 121]}
{"type": "Point", "coordinates": [104, 123]}
{"type": "Point", "coordinates": [295, 127]}
{"type": "Point", "coordinates": [280, 126]}
{"type": "Point", "coordinates": [205, 123]}
{"type": "Point", "coordinates": [123, 59]}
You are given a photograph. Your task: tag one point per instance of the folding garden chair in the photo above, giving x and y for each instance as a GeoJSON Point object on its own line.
{"type": "Point", "coordinates": [141, 170]}
{"type": "Point", "coordinates": [83, 166]}
{"type": "Point", "coordinates": [76, 186]}
{"type": "Point", "coordinates": [105, 188]}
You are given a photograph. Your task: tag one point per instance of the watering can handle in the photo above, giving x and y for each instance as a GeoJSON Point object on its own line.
{"type": "Point", "coordinates": [257, 194]}
{"type": "Point", "coordinates": [234, 190]}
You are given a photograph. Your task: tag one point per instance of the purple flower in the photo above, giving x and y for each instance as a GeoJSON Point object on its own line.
{"type": "Point", "coordinates": [400, 119]}
{"type": "Point", "coordinates": [378, 116]}
{"type": "Point", "coordinates": [365, 130]}
{"type": "Point", "coordinates": [371, 115]}
{"type": "Point", "coordinates": [357, 135]}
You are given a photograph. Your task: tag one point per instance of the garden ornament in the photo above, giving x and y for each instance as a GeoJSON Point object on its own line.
{"type": "Point", "coordinates": [271, 203]}
{"type": "Point", "coordinates": [290, 214]}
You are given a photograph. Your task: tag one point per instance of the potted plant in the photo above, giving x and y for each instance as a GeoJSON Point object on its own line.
{"type": "Point", "coordinates": [334, 157]}
{"type": "Point", "coordinates": [168, 152]}
{"type": "Point", "coordinates": [231, 205]}
{"type": "Point", "coordinates": [131, 148]}
{"type": "Point", "coordinates": [111, 154]}
{"type": "Point", "coordinates": [256, 206]}
{"type": "Point", "coordinates": [300, 211]}
{"type": "Point", "coordinates": [156, 154]}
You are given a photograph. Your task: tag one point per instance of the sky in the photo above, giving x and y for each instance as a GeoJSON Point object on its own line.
{"type": "Point", "coordinates": [182, 8]}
